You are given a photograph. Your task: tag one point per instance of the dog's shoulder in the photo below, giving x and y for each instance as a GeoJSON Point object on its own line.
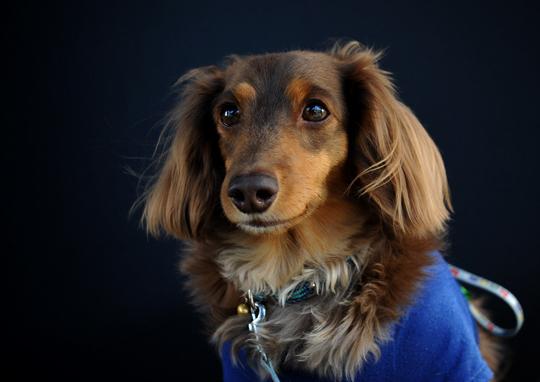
{"type": "Point", "coordinates": [437, 338]}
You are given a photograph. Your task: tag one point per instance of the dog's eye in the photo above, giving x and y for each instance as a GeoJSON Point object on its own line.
{"type": "Point", "coordinates": [230, 115]}
{"type": "Point", "coordinates": [315, 112]}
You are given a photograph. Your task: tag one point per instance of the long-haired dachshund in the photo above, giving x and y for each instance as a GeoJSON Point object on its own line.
{"type": "Point", "coordinates": [313, 200]}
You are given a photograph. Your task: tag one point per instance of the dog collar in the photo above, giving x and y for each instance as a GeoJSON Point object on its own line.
{"type": "Point", "coordinates": [301, 292]}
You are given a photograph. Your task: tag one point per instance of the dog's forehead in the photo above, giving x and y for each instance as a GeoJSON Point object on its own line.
{"type": "Point", "coordinates": [275, 74]}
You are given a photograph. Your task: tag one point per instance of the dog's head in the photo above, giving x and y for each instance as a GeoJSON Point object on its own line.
{"type": "Point", "coordinates": [271, 139]}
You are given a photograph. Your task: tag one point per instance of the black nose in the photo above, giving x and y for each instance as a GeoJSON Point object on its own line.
{"type": "Point", "coordinates": [252, 193]}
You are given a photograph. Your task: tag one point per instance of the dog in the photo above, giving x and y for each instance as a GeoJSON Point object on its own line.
{"type": "Point", "coordinates": [301, 176]}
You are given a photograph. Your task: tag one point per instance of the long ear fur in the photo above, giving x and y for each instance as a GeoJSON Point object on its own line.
{"type": "Point", "coordinates": [181, 198]}
{"type": "Point", "coordinates": [397, 166]}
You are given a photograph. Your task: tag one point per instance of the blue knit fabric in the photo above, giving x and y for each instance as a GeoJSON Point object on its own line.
{"type": "Point", "coordinates": [436, 340]}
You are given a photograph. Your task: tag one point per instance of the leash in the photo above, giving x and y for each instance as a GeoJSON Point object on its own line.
{"type": "Point", "coordinates": [258, 313]}
{"type": "Point", "coordinates": [498, 291]}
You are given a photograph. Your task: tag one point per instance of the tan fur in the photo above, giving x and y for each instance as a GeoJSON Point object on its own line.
{"type": "Point", "coordinates": [244, 92]}
{"type": "Point", "coordinates": [297, 91]}
{"type": "Point", "coordinates": [367, 182]}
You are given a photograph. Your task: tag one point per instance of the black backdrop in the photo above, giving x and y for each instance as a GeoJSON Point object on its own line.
{"type": "Point", "coordinates": [84, 83]}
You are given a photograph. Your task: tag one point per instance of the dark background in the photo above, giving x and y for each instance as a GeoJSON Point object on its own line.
{"type": "Point", "coordinates": [90, 296]}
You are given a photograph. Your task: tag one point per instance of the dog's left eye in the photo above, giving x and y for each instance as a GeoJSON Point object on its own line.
{"type": "Point", "coordinates": [315, 112]}
{"type": "Point", "coordinates": [230, 115]}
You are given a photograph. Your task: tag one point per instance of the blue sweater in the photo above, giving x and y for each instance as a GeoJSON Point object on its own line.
{"type": "Point", "coordinates": [436, 340]}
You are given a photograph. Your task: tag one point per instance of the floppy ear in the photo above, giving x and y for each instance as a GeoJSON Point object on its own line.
{"type": "Point", "coordinates": [182, 197]}
{"type": "Point", "coordinates": [397, 166]}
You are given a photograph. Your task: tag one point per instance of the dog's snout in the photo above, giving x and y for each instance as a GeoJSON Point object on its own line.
{"type": "Point", "coordinates": [252, 193]}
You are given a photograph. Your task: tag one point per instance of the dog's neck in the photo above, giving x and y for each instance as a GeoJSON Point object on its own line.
{"type": "Point", "coordinates": [315, 249]}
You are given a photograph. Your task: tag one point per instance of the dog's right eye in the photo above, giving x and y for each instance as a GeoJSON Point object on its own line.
{"type": "Point", "coordinates": [230, 115]}
{"type": "Point", "coordinates": [315, 112]}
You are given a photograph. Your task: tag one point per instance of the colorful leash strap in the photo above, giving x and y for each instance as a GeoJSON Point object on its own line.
{"type": "Point", "coordinates": [498, 291]}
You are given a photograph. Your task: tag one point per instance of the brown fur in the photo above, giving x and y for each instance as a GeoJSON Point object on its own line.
{"type": "Point", "coordinates": [367, 182]}
{"type": "Point", "coordinates": [492, 348]}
